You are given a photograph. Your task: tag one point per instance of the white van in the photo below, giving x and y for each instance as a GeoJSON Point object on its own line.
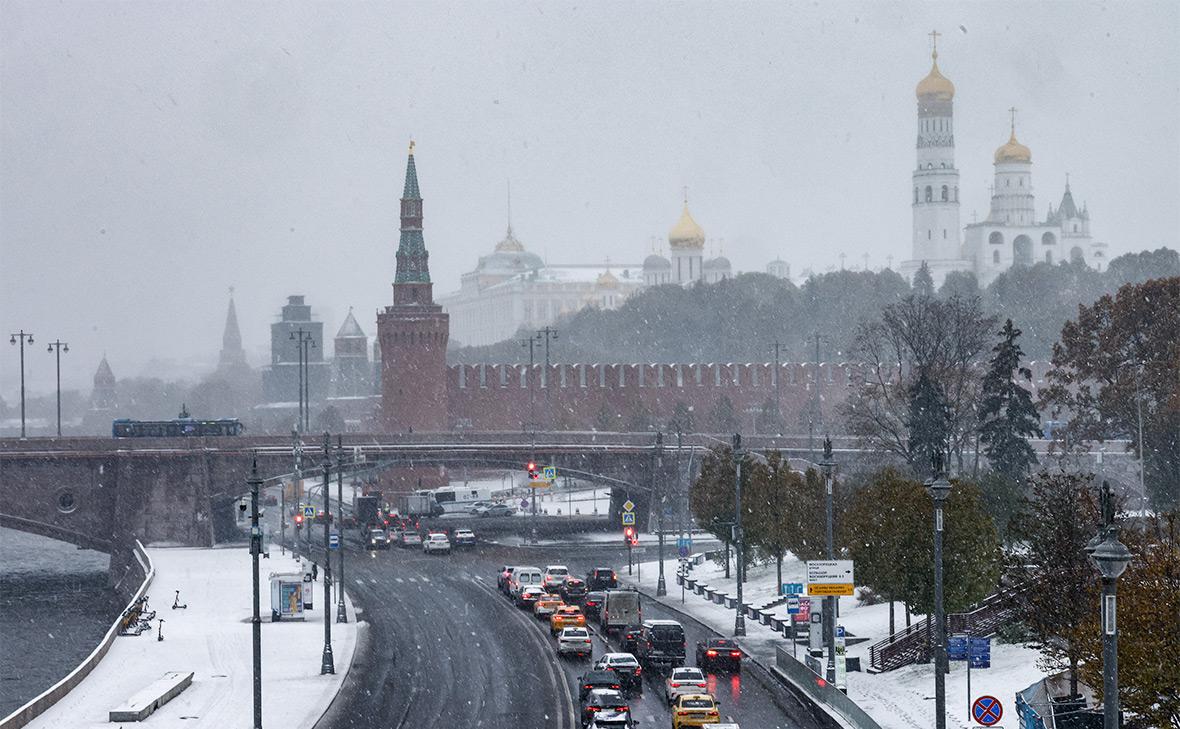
{"type": "Point", "coordinates": [523, 577]}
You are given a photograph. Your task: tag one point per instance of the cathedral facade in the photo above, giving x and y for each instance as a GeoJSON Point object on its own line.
{"type": "Point", "coordinates": [1011, 234]}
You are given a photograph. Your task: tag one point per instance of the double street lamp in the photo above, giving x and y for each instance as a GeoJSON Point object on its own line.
{"type": "Point", "coordinates": [1111, 558]}
{"type": "Point", "coordinates": [739, 621]}
{"type": "Point", "coordinates": [828, 465]}
{"type": "Point", "coordinates": [940, 489]}
{"type": "Point", "coordinates": [59, 346]}
{"type": "Point", "coordinates": [23, 336]}
{"type": "Point", "coordinates": [327, 662]}
{"type": "Point", "coordinates": [304, 340]}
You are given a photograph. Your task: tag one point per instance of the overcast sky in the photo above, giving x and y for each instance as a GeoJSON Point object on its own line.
{"type": "Point", "coordinates": [154, 154]}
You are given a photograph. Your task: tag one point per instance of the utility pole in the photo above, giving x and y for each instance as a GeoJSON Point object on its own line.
{"type": "Point", "coordinates": [548, 333]}
{"type": "Point", "coordinates": [327, 662]}
{"type": "Point", "coordinates": [24, 337]}
{"type": "Point", "coordinates": [661, 585]}
{"type": "Point", "coordinates": [739, 621]}
{"type": "Point", "coordinates": [256, 622]}
{"type": "Point", "coordinates": [341, 614]}
{"type": "Point", "coordinates": [815, 411]}
{"type": "Point", "coordinates": [940, 489]}
{"type": "Point", "coordinates": [531, 343]}
{"type": "Point", "coordinates": [60, 347]}
{"type": "Point", "coordinates": [829, 614]}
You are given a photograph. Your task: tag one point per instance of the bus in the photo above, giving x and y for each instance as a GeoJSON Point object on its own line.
{"type": "Point", "coordinates": [180, 427]}
{"type": "Point", "coordinates": [460, 499]}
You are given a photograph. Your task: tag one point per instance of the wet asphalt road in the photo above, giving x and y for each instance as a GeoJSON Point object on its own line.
{"type": "Point", "coordinates": [445, 649]}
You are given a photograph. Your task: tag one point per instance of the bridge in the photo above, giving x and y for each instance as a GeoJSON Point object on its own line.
{"type": "Point", "coordinates": [103, 493]}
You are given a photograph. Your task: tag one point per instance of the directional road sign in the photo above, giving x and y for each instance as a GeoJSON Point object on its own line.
{"type": "Point", "coordinates": [549, 473]}
{"type": "Point", "coordinates": [628, 505]}
{"type": "Point", "coordinates": [956, 648]}
{"type": "Point", "coordinates": [829, 577]}
{"type": "Point", "coordinates": [792, 588]}
{"type": "Point", "coordinates": [628, 518]}
{"type": "Point", "coordinates": [308, 512]}
{"type": "Point", "coordinates": [987, 710]}
{"type": "Point", "coordinates": [979, 652]}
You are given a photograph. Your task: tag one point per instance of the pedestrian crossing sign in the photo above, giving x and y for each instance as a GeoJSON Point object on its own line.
{"type": "Point", "coordinates": [628, 518]}
{"type": "Point", "coordinates": [549, 473]}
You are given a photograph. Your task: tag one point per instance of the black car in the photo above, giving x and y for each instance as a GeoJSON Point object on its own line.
{"type": "Point", "coordinates": [597, 680]}
{"type": "Point", "coordinates": [592, 604]}
{"type": "Point", "coordinates": [601, 701]}
{"type": "Point", "coordinates": [629, 638]}
{"type": "Point", "coordinates": [602, 578]}
{"type": "Point", "coordinates": [719, 653]}
{"type": "Point", "coordinates": [660, 645]}
{"type": "Point", "coordinates": [573, 590]}
{"type": "Point", "coordinates": [627, 670]}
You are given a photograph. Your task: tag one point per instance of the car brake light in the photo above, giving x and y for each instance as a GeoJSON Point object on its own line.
{"type": "Point", "coordinates": [638, 671]}
{"type": "Point", "coordinates": [710, 653]}
{"type": "Point", "coordinates": [714, 713]}
{"type": "Point", "coordinates": [675, 684]}
{"type": "Point", "coordinates": [736, 654]}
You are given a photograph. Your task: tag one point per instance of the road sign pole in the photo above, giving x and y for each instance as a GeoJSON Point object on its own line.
{"type": "Point", "coordinates": [968, 677]}
{"type": "Point", "coordinates": [628, 556]}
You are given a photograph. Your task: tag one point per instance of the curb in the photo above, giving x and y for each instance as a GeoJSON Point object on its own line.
{"type": "Point", "coordinates": [361, 644]}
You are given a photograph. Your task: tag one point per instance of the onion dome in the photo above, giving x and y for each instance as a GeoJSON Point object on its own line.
{"type": "Point", "coordinates": [607, 280]}
{"type": "Point", "coordinates": [935, 84]}
{"type": "Point", "coordinates": [1013, 151]}
{"type": "Point", "coordinates": [720, 263]}
{"type": "Point", "coordinates": [656, 263]}
{"type": "Point", "coordinates": [686, 233]}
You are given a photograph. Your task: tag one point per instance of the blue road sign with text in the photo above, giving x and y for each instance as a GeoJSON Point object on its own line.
{"type": "Point", "coordinates": [333, 541]}
{"type": "Point", "coordinates": [979, 652]}
{"type": "Point", "coordinates": [956, 648]}
{"type": "Point", "coordinates": [792, 588]}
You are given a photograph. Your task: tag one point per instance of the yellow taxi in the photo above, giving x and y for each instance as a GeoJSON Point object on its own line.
{"type": "Point", "coordinates": [546, 605]}
{"type": "Point", "coordinates": [695, 710]}
{"type": "Point", "coordinates": [566, 616]}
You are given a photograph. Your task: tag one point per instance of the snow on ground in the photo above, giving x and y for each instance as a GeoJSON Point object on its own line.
{"type": "Point", "coordinates": [899, 699]}
{"type": "Point", "coordinates": [212, 638]}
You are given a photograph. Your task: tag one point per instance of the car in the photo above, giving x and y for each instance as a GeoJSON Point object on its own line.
{"type": "Point", "coordinates": [566, 616]}
{"type": "Point", "coordinates": [629, 638]}
{"type": "Point", "coordinates": [626, 667]}
{"type": "Point", "coordinates": [411, 539]}
{"type": "Point", "coordinates": [574, 590]}
{"type": "Point", "coordinates": [684, 680]}
{"type": "Point", "coordinates": [528, 596]}
{"type": "Point", "coordinates": [597, 679]}
{"type": "Point", "coordinates": [592, 604]}
{"type": "Point", "coordinates": [576, 641]}
{"type": "Point", "coordinates": [606, 703]}
{"type": "Point", "coordinates": [555, 575]}
{"type": "Point", "coordinates": [395, 534]}
{"type": "Point", "coordinates": [695, 710]}
{"type": "Point", "coordinates": [464, 538]}
{"type": "Point", "coordinates": [522, 577]}
{"type": "Point", "coordinates": [497, 510]}
{"type": "Point", "coordinates": [611, 720]}
{"type": "Point", "coordinates": [620, 609]}
{"type": "Point", "coordinates": [478, 507]}
{"type": "Point", "coordinates": [437, 543]}
{"type": "Point", "coordinates": [660, 645]}
{"type": "Point", "coordinates": [505, 577]}
{"type": "Point", "coordinates": [546, 605]}
{"type": "Point", "coordinates": [602, 578]}
{"type": "Point", "coordinates": [719, 653]}
{"type": "Point", "coordinates": [376, 539]}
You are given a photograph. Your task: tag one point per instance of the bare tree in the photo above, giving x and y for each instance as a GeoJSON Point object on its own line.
{"type": "Point", "coordinates": [919, 336]}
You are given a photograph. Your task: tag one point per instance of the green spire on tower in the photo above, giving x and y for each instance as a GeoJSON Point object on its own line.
{"type": "Point", "coordinates": [412, 258]}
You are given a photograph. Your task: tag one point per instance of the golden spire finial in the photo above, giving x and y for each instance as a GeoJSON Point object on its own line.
{"type": "Point", "coordinates": [934, 44]}
{"type": "Point", "coordinates": [1012, 115]}
{"type": "Point", "coordinates": [411, 146]}
{"type": "Point", "coordinates": [685, 195]}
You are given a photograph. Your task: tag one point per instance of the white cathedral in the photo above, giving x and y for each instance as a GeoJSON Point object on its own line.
{"type": "Point", "coordinates": [1011, 233]}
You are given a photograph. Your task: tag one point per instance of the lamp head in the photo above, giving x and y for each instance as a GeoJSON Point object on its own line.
{"type": "Point", "coordinates": [1111, 556]}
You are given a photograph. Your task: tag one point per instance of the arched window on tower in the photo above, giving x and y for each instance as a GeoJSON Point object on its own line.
{"type": "Point", "coordinates": [943, 165]}
{"type": "Point", "coordinates": [929, 194]}
{"type": "Point", "coordinates": [946, 194]}
{"type": "Point", "coordinates": [996, 238]}
{"type": "Point", "coordinates": [1048, 239]}
{"type": "Point", "coordinates": [995, 257]}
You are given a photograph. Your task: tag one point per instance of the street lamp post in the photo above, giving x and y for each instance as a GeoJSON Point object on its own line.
{"type": "Point", "coordinates": [59, 346]}
{"type": "Point", "coordinates": [341, 614]}
{"type": "Point", "coordinates": [661, 585]}
{"type": "Point", "coordinates": [939, 488]}
{"type": "Point", "coordinates": [739, 621]}
{"type": "Point", "coordinates": [24, 337]}
{"type": "Point", "coordinates": [256, 622]}
{"type": "Point", "coordinates": [547, 333]}
{"type": "Point", "coordinates": [1111, 558]}
{"type": "Point", "coordinates": [327, 663]}
{"type": "Point", "coordinates": [829, 613]}
{"type": "Point", "coordinates": [303, 342]}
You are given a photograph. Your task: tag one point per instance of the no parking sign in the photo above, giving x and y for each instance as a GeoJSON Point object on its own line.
{"type": "Point", "coordinates": [987, 710]}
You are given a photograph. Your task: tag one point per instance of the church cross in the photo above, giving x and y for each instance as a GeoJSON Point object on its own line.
{"type": "Point", "coordinates": [685, 188]}
{"type": "Point", "coordinates": [934, 40]}
{"type": "Point", "coordinates": [1012, 111]}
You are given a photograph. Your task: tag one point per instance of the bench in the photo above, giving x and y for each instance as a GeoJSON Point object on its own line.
{"type": "Point", "coordinates": [152, 696]}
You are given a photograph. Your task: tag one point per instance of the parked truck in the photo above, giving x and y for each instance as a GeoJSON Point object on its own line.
{"type": "Point", "coordinates": [368, 510]}
{"type": "Point", "coordinates": [422, 503]}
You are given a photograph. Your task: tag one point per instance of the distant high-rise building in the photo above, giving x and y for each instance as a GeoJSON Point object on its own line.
{"type": "Point", "coordinates": [280, 380]}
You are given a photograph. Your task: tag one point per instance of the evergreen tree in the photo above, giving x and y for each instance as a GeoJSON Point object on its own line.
{"type": "Point", "coordinates": [928, 423]}
{"type": "Point", "coordinates": [1008, 415]}
{"type": "Point", "coordinates": [923, 281]}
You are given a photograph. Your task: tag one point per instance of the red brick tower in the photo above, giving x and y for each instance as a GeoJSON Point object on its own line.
{"type": "Point", "coordinates": [413, 332]}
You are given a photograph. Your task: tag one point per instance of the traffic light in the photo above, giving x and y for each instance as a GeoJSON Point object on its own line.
{"type": "Point", "coordinates": [534, 473]}
{"type": "Point", "coordinates": [629, 538]}
{"type": "Point", "coordinates": [299, 521]}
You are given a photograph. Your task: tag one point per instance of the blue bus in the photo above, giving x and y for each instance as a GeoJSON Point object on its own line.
{"type": "Point", "coordinates": [182, 426]}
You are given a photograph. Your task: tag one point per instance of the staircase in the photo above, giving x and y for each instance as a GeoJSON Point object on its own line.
{"type": "Point", "coordinates": [914, 644]}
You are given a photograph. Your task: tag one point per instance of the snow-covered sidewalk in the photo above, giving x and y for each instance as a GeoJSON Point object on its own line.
{"type": "Point", "coordinates": [902, 698]}
{"type": "Point", "coordinates": [212, 638]}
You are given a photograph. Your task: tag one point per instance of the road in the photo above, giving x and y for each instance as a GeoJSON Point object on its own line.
{"type": "Point", "coordinates": [446, 649]}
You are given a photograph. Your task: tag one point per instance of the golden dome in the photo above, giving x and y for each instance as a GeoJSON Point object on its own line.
{"type": "Point", "coordinates": [935, 84]}
{"type": "Point", "coordinates": [1013, 151]}
{"type": "Point", "coordinates": [510, 244]}
{"type": "Point", "coordinates": [607, 280]}
{"type": "Point", "coordinates": [686, 233]}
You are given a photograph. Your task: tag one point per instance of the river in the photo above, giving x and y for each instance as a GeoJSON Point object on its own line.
{"type": "Point", "coordinates": [55, 607]}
